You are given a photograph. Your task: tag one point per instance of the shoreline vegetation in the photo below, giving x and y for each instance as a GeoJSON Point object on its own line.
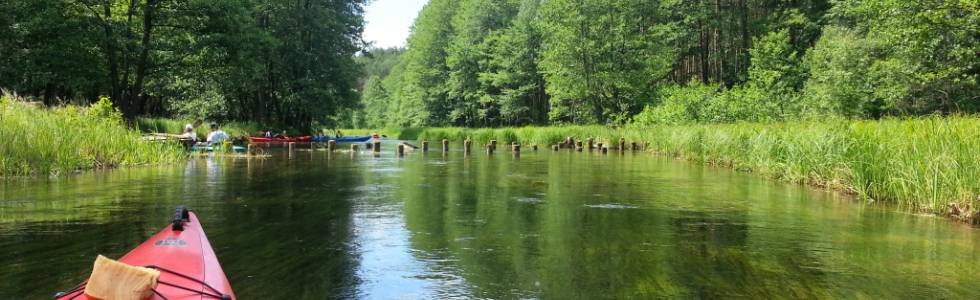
{"type": "Point", "coordinates": [54, 141]}
{"type": "Point", "coordinates": [929, 164]}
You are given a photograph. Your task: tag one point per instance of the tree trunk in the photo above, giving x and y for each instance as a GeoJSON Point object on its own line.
{"type": "Point", "coordinates": [142, 66]}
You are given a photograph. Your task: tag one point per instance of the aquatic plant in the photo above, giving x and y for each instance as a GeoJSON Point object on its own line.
{"type": "Point", "coordinates": [52, 141]}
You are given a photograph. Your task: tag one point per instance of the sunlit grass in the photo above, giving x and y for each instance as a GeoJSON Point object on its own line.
{"type": "Point", "coordinates": [40, 141]}
{"type": "Point", "coordinates": [930, 164]}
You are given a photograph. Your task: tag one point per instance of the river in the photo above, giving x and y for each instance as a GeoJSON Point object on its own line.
{"type": "Point", "coordinates": [546, 225]}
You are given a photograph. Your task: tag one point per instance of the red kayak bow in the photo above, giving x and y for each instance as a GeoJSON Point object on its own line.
{"type": "Point", "coordinates": [188, 267]}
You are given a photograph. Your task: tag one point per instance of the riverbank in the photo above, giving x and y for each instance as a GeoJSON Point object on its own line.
{"type": "Point", "coordinates": [54, 141]}
{"type": "Point", "coordinates": [926, 164]}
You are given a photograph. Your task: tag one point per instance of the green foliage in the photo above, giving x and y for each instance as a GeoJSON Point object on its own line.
{"type": "Point", "coordinates": [600, 57]}
{"type": "Point", "coordinates": [262, 60]}
{"type": "Point", "coordinates": [63, 140]}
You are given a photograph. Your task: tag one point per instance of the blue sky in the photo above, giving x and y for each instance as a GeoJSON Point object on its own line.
{"type": "Point", "coordinates": [389, 21]}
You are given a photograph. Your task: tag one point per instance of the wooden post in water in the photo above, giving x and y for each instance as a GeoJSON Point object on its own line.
{"type": "Point", "coordinates": [569, 143]}
{"type": "Point", "coordinates": [515, 147]}
{"type": "Point", "coordinates": [425, 146]}
{"type": "Point", "coordinates": [493, 144]}
{"type": "Point", "coordinates": [250, 149]}
{"type": "Point", "coordinates": [635, 146]}
{"type": "Point", "coordinates": [591, 144]}
{"type": "Point", "coordinates": [467, 144]}
{"type": "Point", "coordinates": [534, 147]}
{"type": "Point", "coordinates": [331, 145]}
{"type": "Point", "coordinates": [599, 146]}
{"type": "Point", "coordinates": [400, 150]}
{"type": "Point", "coordinates": [291, 148]}
{"type": "Point", "coordinates": [555, 147]}
{"type": "Point", "coordinates": [578, 146]}
{"type": "Point", "coordinates": [376, 147]}
{"type": "Point", "coordinates": [622, 144]}
{"type": "Point", "coordinates": [605, 149]}
{"type": "Point", "coordinates": [445, 145]}
{"type": "Point", "coordinates": [353, 148]}
{"type": "Point", "coordinates": [490, 148]}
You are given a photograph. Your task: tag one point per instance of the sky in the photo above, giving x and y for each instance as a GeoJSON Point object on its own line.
{"type": "Point", "coordinates": [389, 21]}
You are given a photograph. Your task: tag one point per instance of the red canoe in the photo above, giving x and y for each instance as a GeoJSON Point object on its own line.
{"type": "Point", "coordinates": [294, 139]}
{"type": "Point", "coordinates": [188, 266]}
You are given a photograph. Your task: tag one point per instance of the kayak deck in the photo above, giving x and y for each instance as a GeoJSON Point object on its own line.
{"type": "Point", "coordinates": [189, 267]}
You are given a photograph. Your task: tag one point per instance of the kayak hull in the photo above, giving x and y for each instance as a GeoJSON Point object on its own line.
{"type": "Point", "coordinates": [186, 252]}
{"type": "Point", "coordinates": [350, 139]}
{"type": "Point", "coordinates": [297, 139]}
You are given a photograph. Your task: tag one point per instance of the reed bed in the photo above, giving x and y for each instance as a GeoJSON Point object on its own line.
{"type": "Point", "coordinates": [928, 164]}
{"type": "Point", "coordinates": [42, 141]}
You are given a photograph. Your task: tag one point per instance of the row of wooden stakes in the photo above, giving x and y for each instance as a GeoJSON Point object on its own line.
{"type": "Point", "coordinates": [568, 143]}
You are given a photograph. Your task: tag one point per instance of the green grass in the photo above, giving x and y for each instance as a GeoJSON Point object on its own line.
{"type": "Point", "coordinates": [928, 164]}
{"type": "Point", "coordinates": [40, 141]}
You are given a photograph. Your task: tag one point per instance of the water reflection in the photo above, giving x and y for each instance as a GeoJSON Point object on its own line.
{"type": "Point", "coordinates": [434, 225]}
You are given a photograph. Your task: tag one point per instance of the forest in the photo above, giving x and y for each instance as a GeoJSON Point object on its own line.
{"type": "Point", "coordinates": [267, 61]}
{"type": "Point", "coordinates": [491, 63]}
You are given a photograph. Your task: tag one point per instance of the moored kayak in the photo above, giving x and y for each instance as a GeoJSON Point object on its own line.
{"type": "Point", "coordinates": [295, 139]}
{"type": "Point", "coordinates": [348, 139]}
{"type": "Point", "coordinates": [188, 267]}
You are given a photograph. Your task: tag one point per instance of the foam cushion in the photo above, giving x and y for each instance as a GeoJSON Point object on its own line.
{"type": "Point", "coordinates": [113, 280]}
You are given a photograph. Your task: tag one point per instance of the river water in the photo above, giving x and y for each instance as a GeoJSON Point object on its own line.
{"type": "Point", "coordinates": [543, 225]}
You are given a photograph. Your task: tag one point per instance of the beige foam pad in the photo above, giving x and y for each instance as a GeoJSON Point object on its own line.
{"type": "Point", "coordinates": [113, 280]}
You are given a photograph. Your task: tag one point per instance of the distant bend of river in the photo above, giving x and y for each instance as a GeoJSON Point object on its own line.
{"type": "Point", "coordinates": [548, 225]}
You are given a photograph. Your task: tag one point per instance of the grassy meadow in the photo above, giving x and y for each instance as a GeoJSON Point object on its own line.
{"type": "Point", "coordinates": [928, 164]}
{"type": "Point", "coordinates": [52, 141]}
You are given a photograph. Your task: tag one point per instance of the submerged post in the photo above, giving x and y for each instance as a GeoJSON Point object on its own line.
{"type": "Point", "coordinates": [489, 149]}
{"type": "Point", "coordinates": [635, 146]}
{"type": "Point", "coordinates": [331, 145]}
{"type": "Point", "coordinates": [353, 148]}
{"type": "Point", "coordinates": [425, 146]}
{"type": "Point", "coordinates": [555, 147]}
{"type": "Point", "coordinates": [377, 147]}
{"type": "Point", "coordinates": [467, 144]}
{"type": "Point", "coordinates": [534, 147]}
{"type": "Point", "coordinates": [605, 149]}
{"type": "Point", "coordinates": [591, 144]}
{"type": "Point", "coordinates": [515, 147]}
{"type": "Point", "coordinates": [569, 143]}
{"type": "Point", "coordinates": [622, 144]}
{"type": "Point", "coordinates": [445, 145]}
{"type": "Point", "coordinates": [400, 150]}
{"type": "Point", "coordinates": [578, 146]}
{"type": "Point", "coordinates": [493, 144]}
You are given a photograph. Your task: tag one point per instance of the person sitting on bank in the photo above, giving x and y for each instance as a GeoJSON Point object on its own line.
{"type": "Point", "coordinates": [188, 135]}
{"type": "Point", "coordinates": [338, 134]}
{"type": "Point", "coordinates": [216, 136]}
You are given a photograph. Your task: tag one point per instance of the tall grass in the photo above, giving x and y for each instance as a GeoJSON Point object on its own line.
{"type": "Point", "coordinates": [40, 141]}
{"type": "Point", "coordinates": [929, 164]}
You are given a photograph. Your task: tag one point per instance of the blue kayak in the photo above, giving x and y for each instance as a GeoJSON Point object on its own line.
{"type": "Point", "coordinates": [346, 139]}
{"type": "Point", "coordinates": [238, 149]}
